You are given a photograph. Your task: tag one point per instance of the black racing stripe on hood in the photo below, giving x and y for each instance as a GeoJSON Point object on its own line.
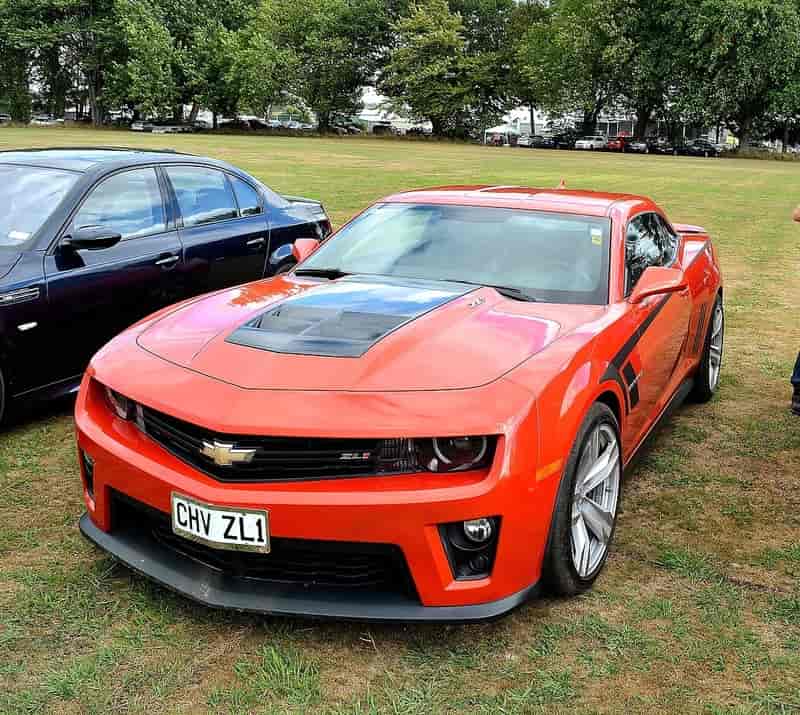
{"type": "Point", "coordinates": [344, 318]}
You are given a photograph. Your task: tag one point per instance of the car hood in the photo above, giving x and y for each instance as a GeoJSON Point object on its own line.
{"type": "Point", "coordinates": [358, 334]}
{"type": "Point", "coordinates": [8, 259]}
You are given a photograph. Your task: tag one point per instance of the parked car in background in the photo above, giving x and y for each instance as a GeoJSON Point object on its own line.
{"type": "Point", "coordinates": [619, 143]}
{"type": "Point", "coordinates": [638, 146]}
{"type": "Point", "coordinates": [565, 139]}
{"type": "Point", "coordinates": [698, 147]}
{"type": "Point", "coordinates": [141, 126]}
{"type": "Point", "coordinates": [524, 140]}
{"type": "Point", "coordinates": [660, 145]}
{"type": "Point", "coordinates": [540, 141]}
{"type": "Point", "coordinates": [318, 445]}
{"type": "Point", "coordinates": [92, 240]}
{"type": "Point", "coordinates": [592, 142]}
{"type": "Point", "coordinates": [5, 118]}
{"type": "Point", "coordinates": [45, 120]}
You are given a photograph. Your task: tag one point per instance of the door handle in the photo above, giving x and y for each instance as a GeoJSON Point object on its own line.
{"type": "Point", "coordinates": [257, 242]}
{"type": "Point", "coordinates": [167, 261]}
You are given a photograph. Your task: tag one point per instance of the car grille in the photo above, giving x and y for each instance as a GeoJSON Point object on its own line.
{"type": "Point", "coordinates": [279, 458]}
{"type": "Point", "coordinates": [310, 564]}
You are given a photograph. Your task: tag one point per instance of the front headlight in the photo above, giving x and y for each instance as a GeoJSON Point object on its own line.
{"type": "Point", "coordinates": [454, 454]}
{"type": "Point", "coordinates": [121, 405]}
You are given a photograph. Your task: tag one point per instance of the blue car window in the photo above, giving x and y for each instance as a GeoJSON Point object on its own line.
{"type": "Point", "coordinates": [129, 203]}
{"type": "Point", "coordinates": [204, 195]}
{"type": "Point", "coordinates": [246, 197]}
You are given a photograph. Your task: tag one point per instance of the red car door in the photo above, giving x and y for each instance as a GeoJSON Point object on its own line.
{"type": "Point", "coordinates": [662, 324]}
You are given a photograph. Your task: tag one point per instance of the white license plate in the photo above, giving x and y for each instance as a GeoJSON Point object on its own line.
{"type": "Point", "coordinates": [221, 527]}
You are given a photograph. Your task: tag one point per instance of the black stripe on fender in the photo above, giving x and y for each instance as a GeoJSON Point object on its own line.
{"type": "Point", "coordinates": [631, 379]}
{"type": "Point", "coordinates": [613, 371]}
{"type": "Point", "coordinates": [701, 321]}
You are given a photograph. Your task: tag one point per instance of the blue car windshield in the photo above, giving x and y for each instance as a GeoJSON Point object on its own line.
{"type": "Point", "coordinates": [28, 195]}
{"type": "Point", "coordinates": [551, 257]}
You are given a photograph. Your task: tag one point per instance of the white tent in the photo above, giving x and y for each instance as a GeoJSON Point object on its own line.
{"type": "Point", "coordinates": [504, 130]}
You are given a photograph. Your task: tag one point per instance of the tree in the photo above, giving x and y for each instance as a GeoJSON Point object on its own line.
{"type": "Point", "coordinates": [742, 54]}
{"type": "Point", "coordinates": [574, 59]}
{"type": "Point", "coordinates": [142, 76]}
{"type": "Point", "coordinates": [339, 46]}
{"type": "Point", "coordinates": [525, 82]}
{"type": "Point", "coordinates": [427, 68]}
{"type": "Point", "coordinates": [262, 65]}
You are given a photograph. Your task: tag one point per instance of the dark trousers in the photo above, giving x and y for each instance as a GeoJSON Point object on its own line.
{"type": "Point", "coordinates": [796, 373]}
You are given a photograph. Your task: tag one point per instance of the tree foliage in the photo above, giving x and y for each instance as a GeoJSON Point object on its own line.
{"type": "Point", "coordinates": [459, 63]}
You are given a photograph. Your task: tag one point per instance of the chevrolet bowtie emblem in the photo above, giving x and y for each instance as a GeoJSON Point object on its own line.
{"type": "Point", "coordinates": [225, 455]}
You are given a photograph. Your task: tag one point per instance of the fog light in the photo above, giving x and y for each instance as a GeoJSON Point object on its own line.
{"type": "Point", "coordinates": [478, 531]}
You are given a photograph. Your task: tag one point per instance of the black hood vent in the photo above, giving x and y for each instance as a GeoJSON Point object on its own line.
{"type": "Point", "coordinates": [344, 318]}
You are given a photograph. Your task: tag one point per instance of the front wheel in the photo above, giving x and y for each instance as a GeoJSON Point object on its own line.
{"type": "Point", "coordinates": [706, 380]}
{"type": "Point", "coordinates": [585, 514]}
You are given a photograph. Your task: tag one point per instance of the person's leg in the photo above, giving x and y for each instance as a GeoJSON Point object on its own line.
{"type": "Point", "coordinates": [796, 384]}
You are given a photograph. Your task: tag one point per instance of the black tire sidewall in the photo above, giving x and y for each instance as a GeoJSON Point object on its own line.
{"type": "Point", "coordinates": [558, 573]}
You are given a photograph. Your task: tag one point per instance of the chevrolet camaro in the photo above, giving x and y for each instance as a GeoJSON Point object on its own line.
{"type": "Point", "coordinates": [427, 419]}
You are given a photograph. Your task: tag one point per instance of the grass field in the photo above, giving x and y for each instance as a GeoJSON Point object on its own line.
{"type": "Point", "coordinates": [697, 611]}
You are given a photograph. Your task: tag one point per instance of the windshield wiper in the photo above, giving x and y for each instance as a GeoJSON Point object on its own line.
{"type": "Point", "coordinates": [514, 293]}
{"type": "Point", "coordinates": [330, 273]}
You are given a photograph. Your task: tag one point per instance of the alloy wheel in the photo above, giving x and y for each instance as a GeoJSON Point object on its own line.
{"type": "Point", "coordinates": [595, 499]}
{"type": "Point", "coordinates": [715, 347]}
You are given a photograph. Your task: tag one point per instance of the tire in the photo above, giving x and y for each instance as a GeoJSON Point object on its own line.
{"type": "Point", "coordinates": [706, 380]}
{"type": "Point", "coordinates": [568, 569]}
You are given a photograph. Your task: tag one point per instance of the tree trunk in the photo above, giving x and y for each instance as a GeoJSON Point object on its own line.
{"type": "Point", "coordinates": [745, 127]}
{"type": "Point", "coordinates": [438, 127]}
{"type": "Point", "coordinates": [194, 112]}
{"type": "Point", "coordinates": [785, 137]}
{"type": "Point", "coordinates": [94, 107]}
{"type": "Point", "coordinates": [323, 122]}
{"type": "Point", "coordinates": [643, 116]}
{"type": "Point", "coordinates": [214, 120]}
{"type": "Point", "coordinates": [533, 120]}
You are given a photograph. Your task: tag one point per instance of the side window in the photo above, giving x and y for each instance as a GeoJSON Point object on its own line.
{"type": "Point", "coordinates": [642, 249]}
{"type": "Point", "coordinates": [204, 195]}
{"type": "Point", "coordinates": [129, 203]}
{"type": "Point", "coordinates": [669, 241]}
{"type": "Point", "coordinates": [247, 197]}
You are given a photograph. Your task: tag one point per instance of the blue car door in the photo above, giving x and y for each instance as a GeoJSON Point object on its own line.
{"type": "Point", "coordinates": [95, 294]}
{"type": "Point", "coordinates": [223, 227]}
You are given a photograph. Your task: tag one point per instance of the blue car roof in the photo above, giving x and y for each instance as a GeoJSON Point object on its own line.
{"type": "Point", "coordinates": [84, 158]}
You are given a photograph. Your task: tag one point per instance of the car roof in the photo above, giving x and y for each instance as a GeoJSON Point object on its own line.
{"type": "Point", "coordinates": [572, 201]}
{"type": "Point", "coordinates": [84, 158]}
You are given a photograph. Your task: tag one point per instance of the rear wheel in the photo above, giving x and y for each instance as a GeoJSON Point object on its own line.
{"type": "Point", "coordinates": [585, 514]}
{"type": "Point", "coordinates": [706, 380]}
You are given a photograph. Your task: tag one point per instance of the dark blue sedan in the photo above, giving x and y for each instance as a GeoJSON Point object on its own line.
{"type": "Point", "coordinates": [92, 240]}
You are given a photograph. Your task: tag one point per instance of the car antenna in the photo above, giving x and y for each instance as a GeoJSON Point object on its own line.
{"type": "Point", "coordinates": [562, 184]}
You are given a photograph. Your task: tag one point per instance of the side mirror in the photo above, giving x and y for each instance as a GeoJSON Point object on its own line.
{"type": "Point", "coordinates": [657, 281]}
{"type": "Point", "coordinates": [91, 238]}
{"type": "Point", "coordinates": [303, 248]}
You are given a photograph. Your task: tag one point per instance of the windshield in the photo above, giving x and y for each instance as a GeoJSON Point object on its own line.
{"type": "Point", "coordinates": [28, 195]}
{"type": "Point", "coordinates": [556, 258]}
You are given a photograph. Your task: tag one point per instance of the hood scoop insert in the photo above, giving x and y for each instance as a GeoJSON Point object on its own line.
{"type": "Point", "coordinates": [344, 318]}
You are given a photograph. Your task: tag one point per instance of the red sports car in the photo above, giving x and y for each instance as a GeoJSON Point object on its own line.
{"type": "Point", "coordinates": [428, 419]}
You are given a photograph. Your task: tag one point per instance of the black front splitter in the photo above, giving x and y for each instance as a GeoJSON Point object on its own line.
{"type": "Point", "coordinates": [200, 583]}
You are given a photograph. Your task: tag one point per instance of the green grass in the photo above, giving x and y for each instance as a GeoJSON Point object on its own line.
{"type": "Point", "coordinates": [698, 610]}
